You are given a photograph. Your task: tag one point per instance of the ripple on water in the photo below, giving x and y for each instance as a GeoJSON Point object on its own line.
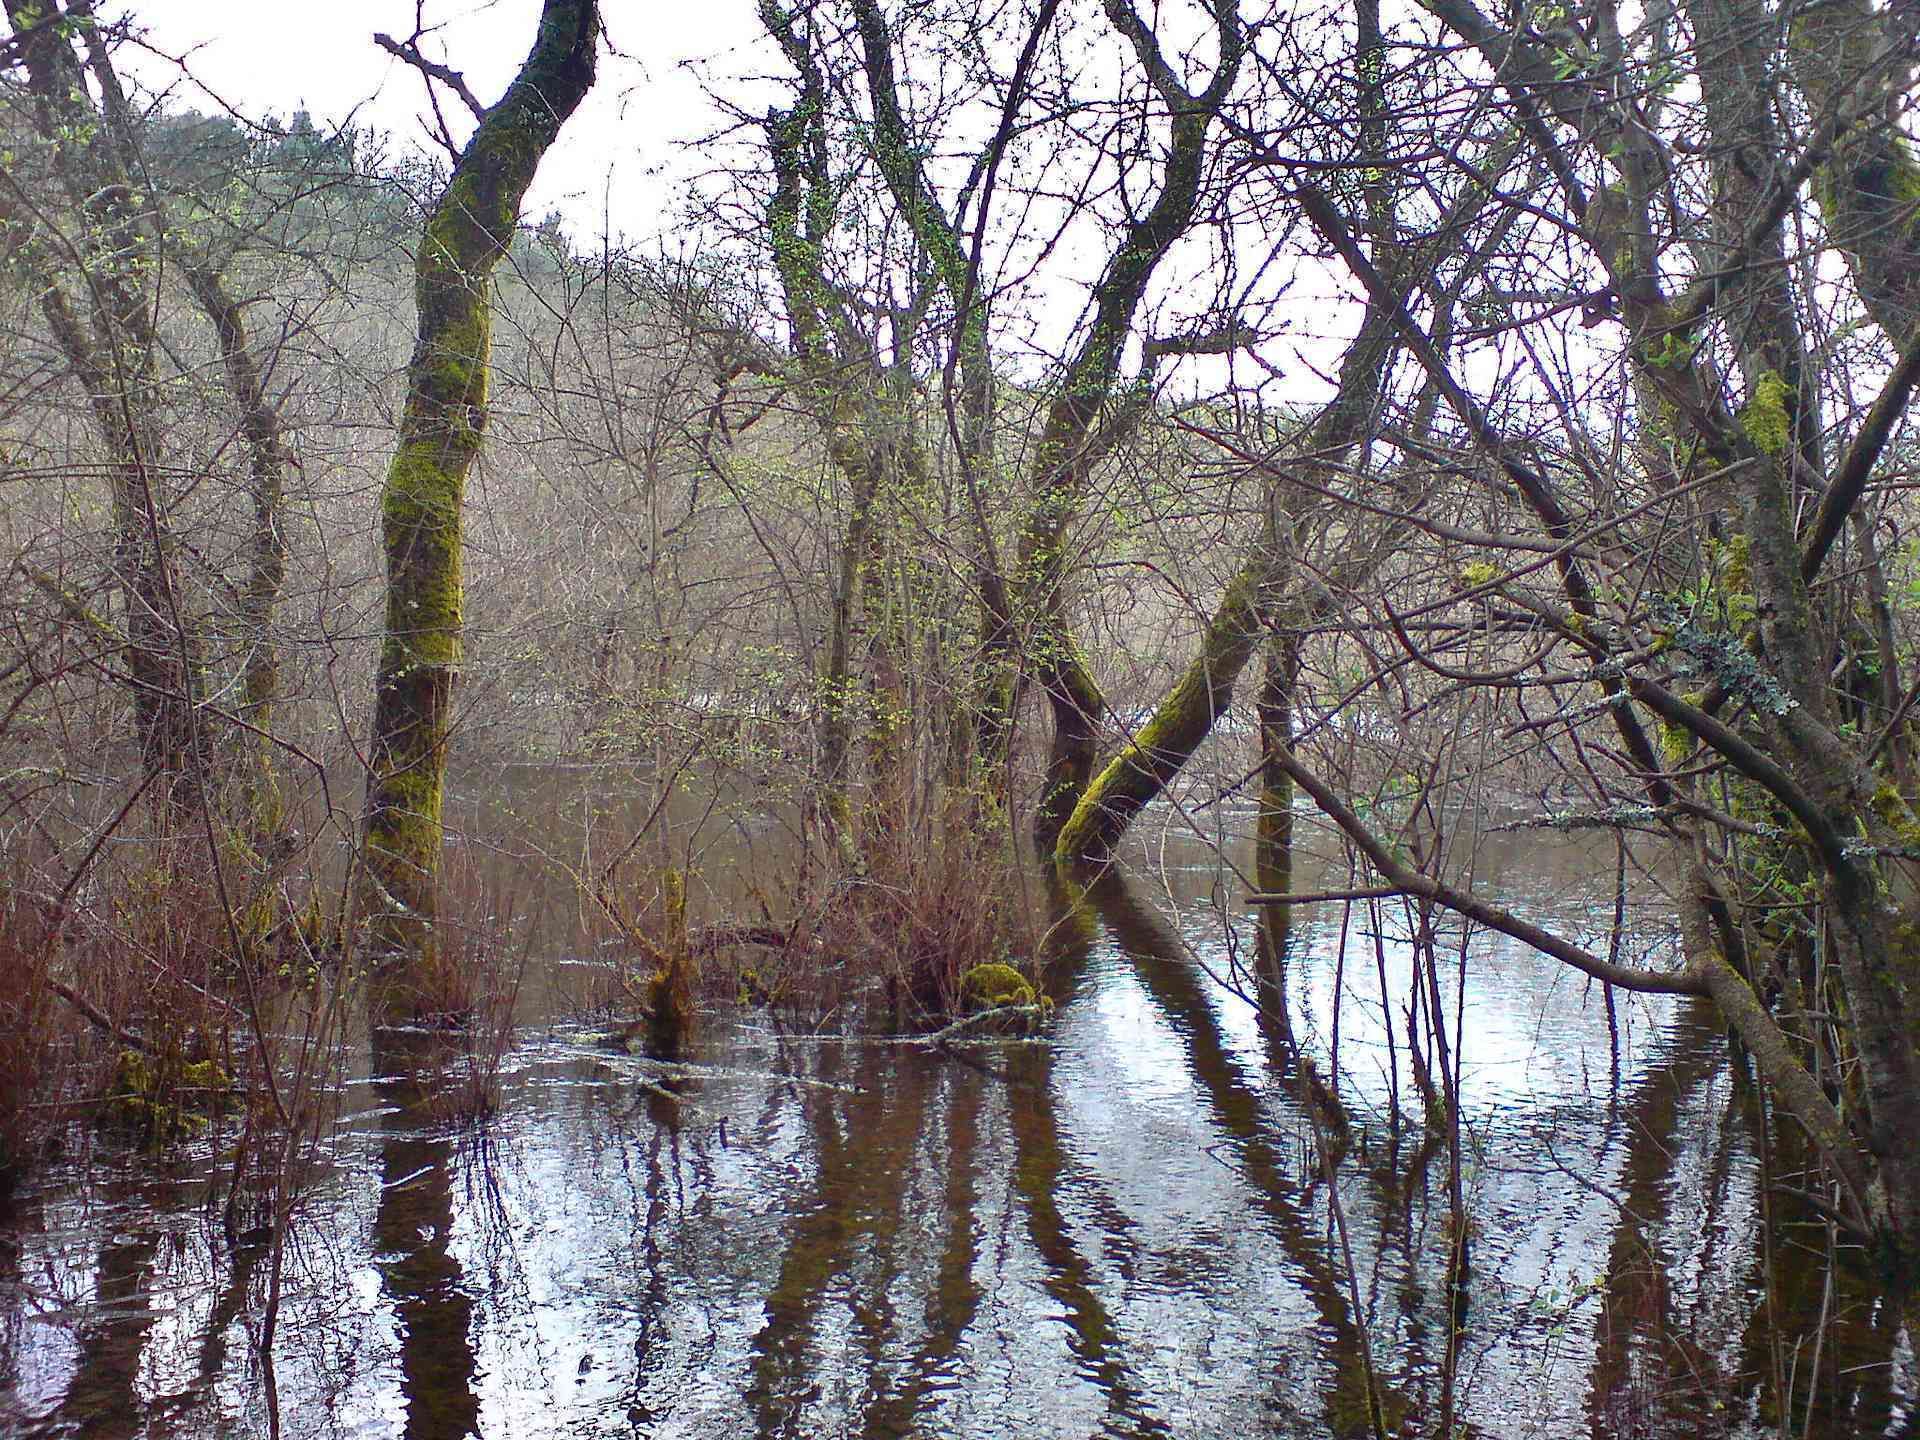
{"type": "Point", "coordinates": [1125, 1231]}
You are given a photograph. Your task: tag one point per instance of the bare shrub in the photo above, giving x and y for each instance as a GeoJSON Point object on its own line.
{"type": "Point", "coordinates": [937, 897]}
{"type": "Point", "coordinates": [37, 1036]}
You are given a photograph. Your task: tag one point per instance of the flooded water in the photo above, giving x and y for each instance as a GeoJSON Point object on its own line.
{"type": "Point", "coordinates": [1123, 1227]}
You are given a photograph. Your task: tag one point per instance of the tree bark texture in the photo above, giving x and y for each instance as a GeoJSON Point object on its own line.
{"type": "Point", "coordinates": [469, 229]}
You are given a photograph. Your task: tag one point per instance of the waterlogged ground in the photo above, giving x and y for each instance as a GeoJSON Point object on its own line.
{"type": "Point", "coordinates": [1124, 1230]}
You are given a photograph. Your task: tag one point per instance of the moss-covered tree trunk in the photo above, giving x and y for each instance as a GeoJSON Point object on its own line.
{"type": "Point", "coordinates": [861, 680]}
{"type": "Point", "coordinates": [951, 261]}
{"type": "Point", "coordinates": [837, 707]}
{"type": "Point", "coordinates": [1258, 599]}
{"type": "Point", "coordinates": [467, 232]}
{"type": "Point", "coordinates": [1799, 628]}
{"type": "Point", "coordinates": [1252, 603]}
{"type": "Point", "coordinates": [1772, 716]}
{"type": "Point", "coordinates": [1073, 438]}
{"type": "Point", "coordinates": [1843, 56]}
{"type": "Point", "coordinates": [1183, 719]}
{"type": "Point", "coordinates": [863, 404]}
{"type": "Point", "coordinates": [1083, 816]}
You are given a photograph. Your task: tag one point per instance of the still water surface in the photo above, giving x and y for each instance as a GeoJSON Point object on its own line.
{"type": "Point", "coordinates": [1122, 1229]}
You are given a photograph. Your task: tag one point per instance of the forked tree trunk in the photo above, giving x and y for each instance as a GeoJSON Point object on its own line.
{"type": "Point", "coordinates": [1178, 726]}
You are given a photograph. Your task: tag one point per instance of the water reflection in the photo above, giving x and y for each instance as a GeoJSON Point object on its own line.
{"type": "Point", "coordinates": [412, 1243]}
{"type": "Point", "coordinates": [1271, 1142]}
{"type": "Point", "coordinates": [102, 1397]}
{"type": "Point", "coordinates": [1122, 1231]}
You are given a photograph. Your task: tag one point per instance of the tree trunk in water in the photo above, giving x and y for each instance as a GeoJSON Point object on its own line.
{"type": "Point", "coordinates": [1077, 706]}
{"type": "Point", "coordinates": [1273, 832]}
{"type": "Point", "coordinates": [1797, 626]}
{"type": "Point", "coordinates": [671, 1014]}
{"type": "Point", "coordinates": [1073, 438]}
{"type": "Point", "coordinates": [468, 231]}
{"type": "Point", "coordinates": [1179, 724]}
{"type": "Point", "coordinates": [861, 678]}
{"type": "Point", "coordinates": [1252, 602]}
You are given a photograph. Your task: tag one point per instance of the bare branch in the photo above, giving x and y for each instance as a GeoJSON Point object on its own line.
{"type": "Point", "coordinates": [409, 51]}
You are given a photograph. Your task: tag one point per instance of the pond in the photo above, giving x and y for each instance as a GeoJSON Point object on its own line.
{"type": "Point", "coordinates": [1124, 1226]}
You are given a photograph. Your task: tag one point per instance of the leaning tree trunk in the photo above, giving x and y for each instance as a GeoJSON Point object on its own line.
{"type": "Point", "coordinates": [1183, 719]}
{"type": "Point", "coordinates": [470, 227]}
{"type": "Point", "coordinates": [1073, 438]}
{"type": "Point", "coordinates": [1251, 606]}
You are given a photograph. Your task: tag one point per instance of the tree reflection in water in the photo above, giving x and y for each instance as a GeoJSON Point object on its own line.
{"type": "Point", "coordinates": [1121, 1229]}
{"type": "Point", "coordinates": [412, 1245]}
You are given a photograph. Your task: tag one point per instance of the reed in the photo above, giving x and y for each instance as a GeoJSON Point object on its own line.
{"type": "Point", "coordinates": [932, 900]}
{"type": "Point", "coordinates": [487, 928]}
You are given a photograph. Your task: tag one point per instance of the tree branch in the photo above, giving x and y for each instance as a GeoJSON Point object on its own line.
{"type": "Point", "coordinates": [1850, 480]}
{"type": "Point", "coordinates": [409, 52]}
{"type": "Point", "coordinates": [1413, 882]}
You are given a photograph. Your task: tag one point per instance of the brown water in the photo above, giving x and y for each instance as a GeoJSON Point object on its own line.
{"type": "Point", "coordinates": [1122, 1229]}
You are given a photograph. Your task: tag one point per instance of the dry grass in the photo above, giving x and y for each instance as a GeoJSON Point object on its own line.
{"type": "Point", "coordinates": [889, 922]}
{"type": "Point", "coordinates": [38, 1036]}
{"type": "Point", "coordinates": [479, 971]}
{"type": "Point", "coordinates": [132, 997]}
{"type": "Point", "coordinates": [937, 897]}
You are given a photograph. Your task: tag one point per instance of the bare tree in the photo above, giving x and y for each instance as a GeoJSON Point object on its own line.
{"type": "Point", "coordinates": [897, 360]}
{"type": "Point", "coordinates": [96, 285]}
{"type": "Point", "coordinates": [1718, 448]}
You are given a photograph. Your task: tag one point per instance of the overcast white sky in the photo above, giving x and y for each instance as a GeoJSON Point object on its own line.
{"type": "Point", "coordinates": [620, 155]}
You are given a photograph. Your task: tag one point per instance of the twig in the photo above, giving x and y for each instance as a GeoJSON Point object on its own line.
{"type": "Point", "coordinates": [96, 1016]}
{"type": "Point", "coordinates": [452, 79]}
{"type": "Point", "coordinates": [1317, 897]}
{"type": "Point", "coordinates": [940, 1037]}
